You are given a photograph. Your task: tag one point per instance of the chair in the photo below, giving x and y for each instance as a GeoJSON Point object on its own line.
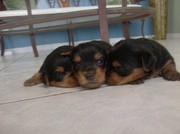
{"type": "Point", "coordinates": [101, 15]}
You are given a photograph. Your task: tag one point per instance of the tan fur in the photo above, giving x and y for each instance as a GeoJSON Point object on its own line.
{"type": "Point", "coordinates": [60, 69]}
{"type": "Point", "coordinates": [97, 56]}
{"type": "Point", "coordinates": [34, 80]}
{"type": "Point", "coordinates": [116, 64]}
{"type": "Point", "coordinates": [156, 72]}
{"type": "Point", "coordinates": [98, 80]}
{"type": "Point", "coordinates": [169, 72]}
{"type": "Point", "coordinates": [77, 58]}
{"type": "Point", "coordinates": [46, 81]}
{"type": "Point", "coordinates": [68, 53]}
{"type": "Point", "coordinates": [115, 79]}
{"type": "Point", "coordinates": [68, 82]}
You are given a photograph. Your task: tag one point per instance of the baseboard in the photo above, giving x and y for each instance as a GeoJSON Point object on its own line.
{"type": "Point", "coordinates": [173, 36]}
{"type": "Point", "coordinates": [55, 45]}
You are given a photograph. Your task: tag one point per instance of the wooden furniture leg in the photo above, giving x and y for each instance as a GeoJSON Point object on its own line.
{"type": "Point", "coordinates": [31, 33]}
{"type": "Point", "coordinates": [126, 29]}
{"type": "Point", "coordinates": [65, 3]}
{"type": "Point", "coordinates": [2, 45]}
{"type": "Point", "coordinates": [103, 22]}
{"type": "Point", "coordinates": [70, 37]}
{"type": "Point", "coordinates": [33, 44]}
{"type": "Point", "coordinates": [142, 28]}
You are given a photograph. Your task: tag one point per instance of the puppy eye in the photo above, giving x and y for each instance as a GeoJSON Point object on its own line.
{"type": "Point", "coordinates": [59, 76]}
{"type": "Point", "coordinates": [100, 62]}
{"type": "Point", "coordinates": [77, 66]}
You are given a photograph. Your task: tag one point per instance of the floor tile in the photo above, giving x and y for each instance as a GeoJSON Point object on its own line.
{"type": "Point", "coordinates": [149, 108]}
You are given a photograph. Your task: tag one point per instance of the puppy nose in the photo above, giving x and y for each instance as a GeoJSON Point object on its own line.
{"type": "Point", "coordinates": [90, 75]}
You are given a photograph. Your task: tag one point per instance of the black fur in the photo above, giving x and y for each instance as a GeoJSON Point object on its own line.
{"type": "Point", "coordinates": [52, 61]}
{"type": "Point", "coordinates": [56, 70]}
{"type": "Point", "coordinates": [88, 64]}
{"type": "Point", "coordinates": [139, 53]}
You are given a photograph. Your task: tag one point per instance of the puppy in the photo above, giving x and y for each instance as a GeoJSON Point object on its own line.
{"type": "Point", "coordinates": [89, 63]}
{"type": "Point", "coordinates": [134, 60]}
{"type": "Point", "coordinates": [56, 70]}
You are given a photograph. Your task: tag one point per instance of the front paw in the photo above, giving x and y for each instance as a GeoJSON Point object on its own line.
{"type": "Point", "coordinates": [137, 82]}
{"type": "Point", "coordinates": [172, 76]}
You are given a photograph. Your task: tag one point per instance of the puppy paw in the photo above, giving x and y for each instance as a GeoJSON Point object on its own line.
{"type": "Point", "coordinates": [172, 76]}
{"type": "Point", "coordinates": [31, 82]}
{"type": "Point", "coordinates": [170, 73]}
{"type": "Point", "coordinates": [34, 80]}
{"type": "Point", "coordinates": [137, 82]}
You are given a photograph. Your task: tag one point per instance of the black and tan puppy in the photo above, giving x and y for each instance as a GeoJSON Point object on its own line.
{"type": "Point", "coordinates": [89, 63]}
{"type": "Point", "coordinates": [56, 70]}
{"type": "Point", "coordinates": [134, 60]}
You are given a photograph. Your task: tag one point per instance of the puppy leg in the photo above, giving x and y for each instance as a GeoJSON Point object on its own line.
{"type": "Point", "coordinates": [138, 81]}
{"type": "Point", "coordinates": [34, 80]}
{"type": "Point", "coordinates": [135, 76]}
{"type": "Point", "coordinates": [170, 73]}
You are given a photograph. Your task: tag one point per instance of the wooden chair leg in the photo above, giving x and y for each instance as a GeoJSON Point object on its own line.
{"type": "Point", "coordinates": [33, 43]}
{"type": "Point", "coordinates": [142, 28]}
{"type": "Point", "coordinates": [70, 37]}
{"type": "Point", "coordinates": [126, 29]}
{"type": "Point", "coordinates": [2, 45]}
{"type": "Point", "coordinates": [103, 22]}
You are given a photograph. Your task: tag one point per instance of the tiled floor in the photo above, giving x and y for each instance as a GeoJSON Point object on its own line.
{"type": "Point", "coordinates": [150, 108]}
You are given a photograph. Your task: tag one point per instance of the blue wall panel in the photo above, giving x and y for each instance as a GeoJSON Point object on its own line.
{"type": "Point", "coordinates": [88, 33]}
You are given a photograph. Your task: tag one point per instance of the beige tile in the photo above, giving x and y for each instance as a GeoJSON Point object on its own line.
{"type": "Point", "coordinates": [149, 108]}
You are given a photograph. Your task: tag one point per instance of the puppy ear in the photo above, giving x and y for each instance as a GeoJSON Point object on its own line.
{"type": "Point", "coordinates": [148, 61]}
{"type": "Point", "coordinates": [68, 53]}
{"type": "Point", "coordinates": [46, 80]}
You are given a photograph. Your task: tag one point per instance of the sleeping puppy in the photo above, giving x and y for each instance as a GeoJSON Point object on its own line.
{"type": "Point", "coordinates": [134, 60]}
{"type": "Point", "coordinates": [56, 70]}
{"type": "Point", "coordinates": [89, 63]}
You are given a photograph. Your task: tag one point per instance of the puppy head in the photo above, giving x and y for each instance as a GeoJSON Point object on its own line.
{"type": "Point", "coordinates": [57, 71]}
{"type": "Point", "coordinates": [128, 63]}
{"type": "Point", "coordinates": [89, 63]}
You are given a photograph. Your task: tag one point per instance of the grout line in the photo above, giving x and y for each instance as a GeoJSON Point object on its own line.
{"type": "Point", "coordinates": [41, 97]}
{"type": "Point", "coordinates": [12, 63]}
